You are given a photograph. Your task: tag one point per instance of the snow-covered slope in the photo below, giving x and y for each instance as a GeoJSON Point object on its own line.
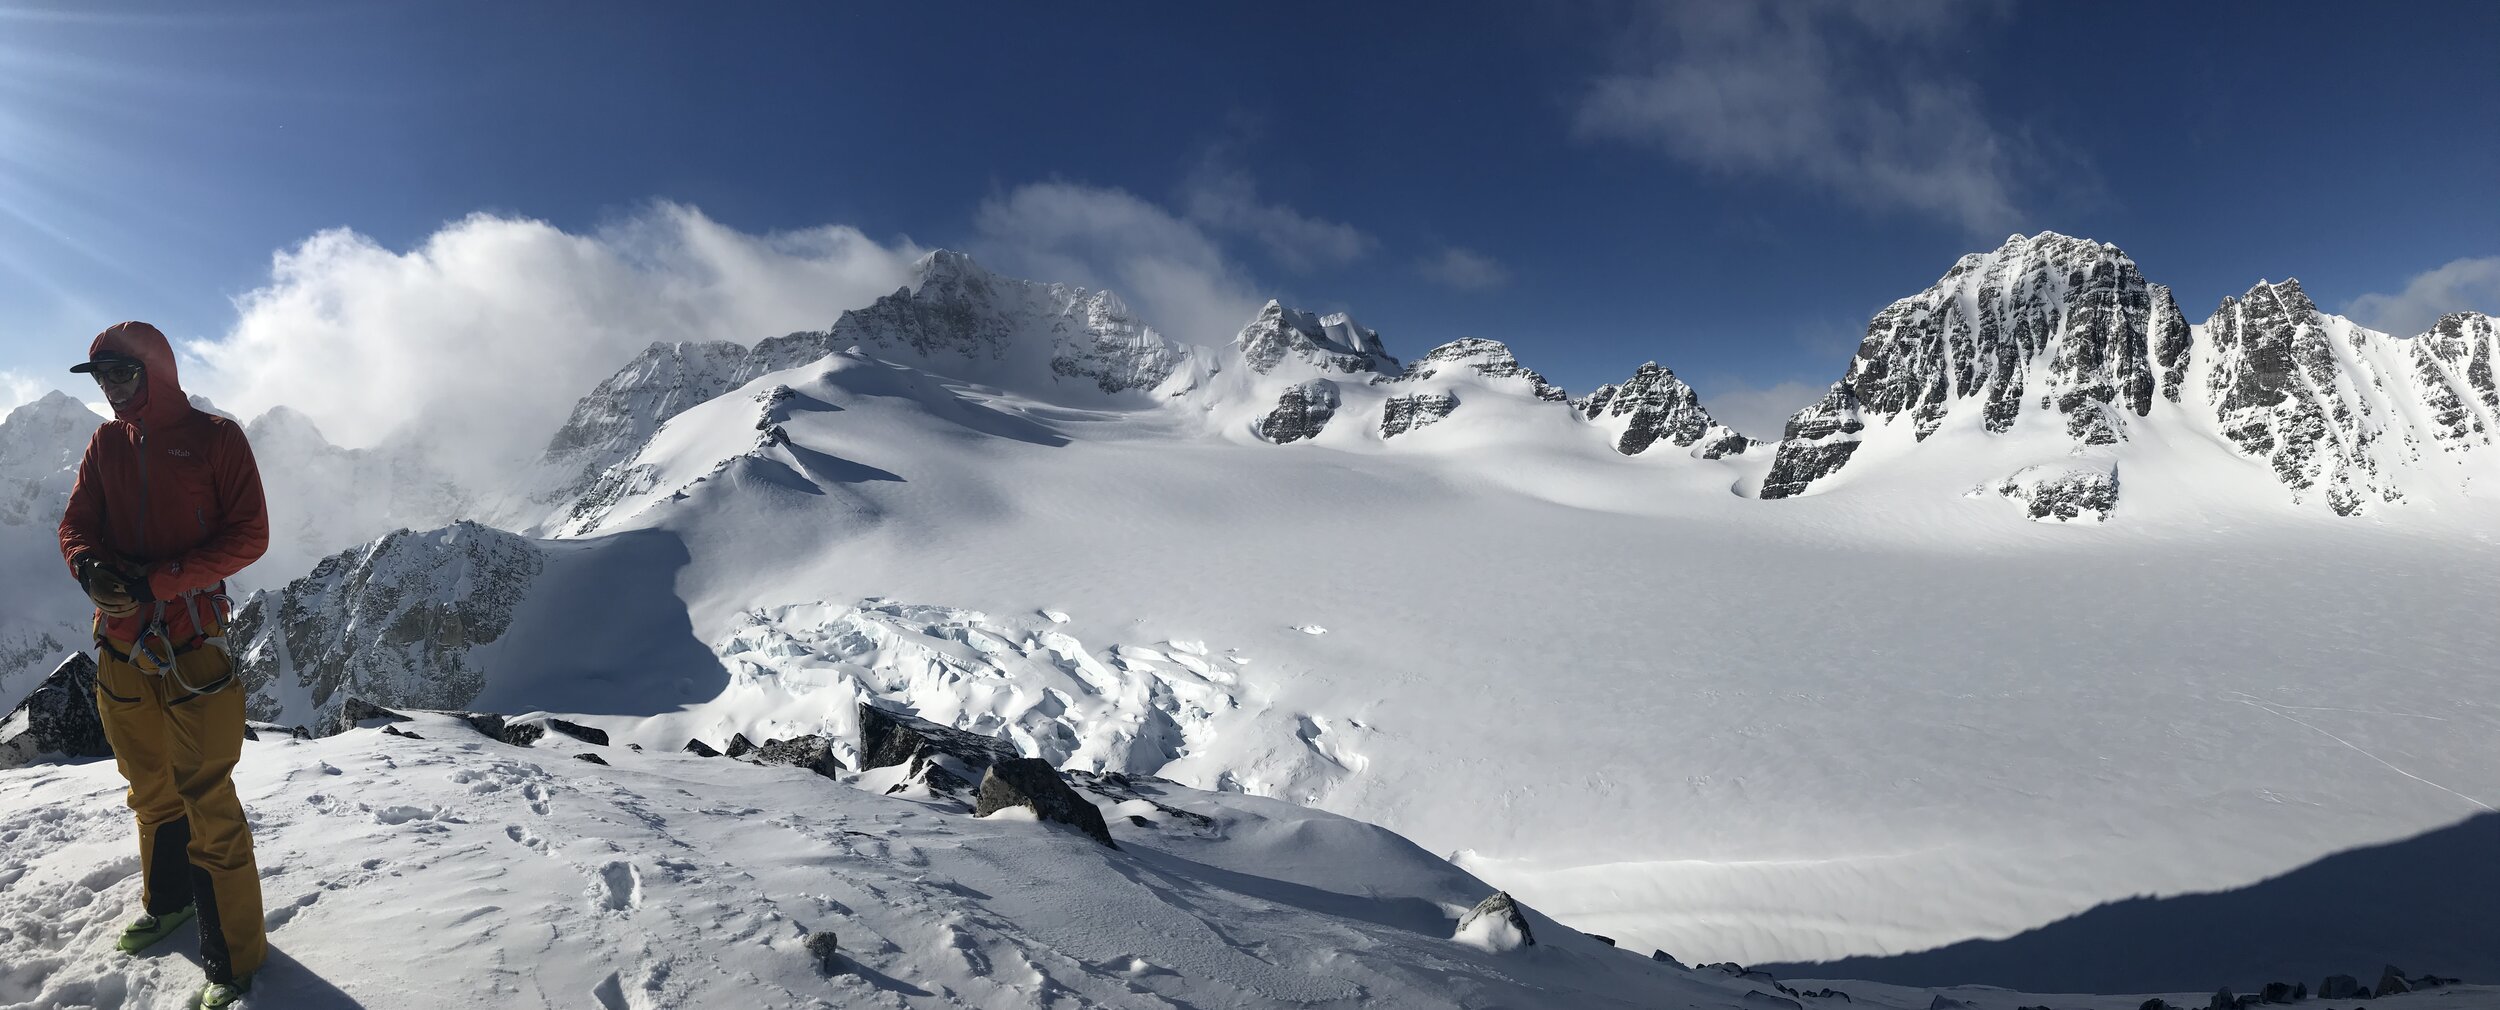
{"type": "Point", "coordinates": [444, 869]}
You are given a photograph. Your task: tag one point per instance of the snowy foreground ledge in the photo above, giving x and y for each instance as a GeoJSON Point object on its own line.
{"type": "Point", "coordinates": [457, 871]}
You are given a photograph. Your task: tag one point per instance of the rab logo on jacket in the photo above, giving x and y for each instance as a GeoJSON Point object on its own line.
{"type": "Point", "coordinates": [184, 453]}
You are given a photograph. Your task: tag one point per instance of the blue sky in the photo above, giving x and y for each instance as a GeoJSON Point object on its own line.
{"type": "Point", "coordinates": [1728, 189]}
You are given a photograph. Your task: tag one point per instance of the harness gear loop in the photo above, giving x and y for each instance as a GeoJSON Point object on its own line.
{"type": "Point", "coordinates": [221, 606]}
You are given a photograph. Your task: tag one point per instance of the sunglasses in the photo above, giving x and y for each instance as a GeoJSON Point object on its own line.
{"type": "Point", "coordinates": [115, 375]}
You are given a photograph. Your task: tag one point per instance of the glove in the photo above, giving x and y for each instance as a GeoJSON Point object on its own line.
{"type": "Point", "coordinates": [108, 586]}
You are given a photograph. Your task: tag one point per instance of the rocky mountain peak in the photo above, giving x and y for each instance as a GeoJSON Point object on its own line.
{"type": "Point", "coordinates": [285, 425]}
{"type": "Point", "coordinates": [947, 275]}
{"type": "Point", "coordinates": [1489, 358]}
{"type": "Point", "coordinates": [1332, 343]}
{"type": "Point", "coordinates": [40, 445]}
{"type": "Point", "coordinates": [2061, 325]}
{"type": "Point", "coordinates": [1653, 406]}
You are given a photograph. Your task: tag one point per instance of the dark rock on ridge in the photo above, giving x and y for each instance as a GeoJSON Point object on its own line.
{"type": "Point", "coordinates": [2063, 494]}
{"type": "Point", "coordinates": [1120, 787]}
{"type": "Point", "coordinates": [1499, 906]}
{"type": "Point", "coordinates": [579, 732]}
{"type": "Point", "coordinates": [944, 759]}
{"type": "Point", "coordinates": [811, 752]}
{"type": "Point", "coordinates": [1818, 441]}
{"type": "Point", "coordinates": [887, 737]}
{"type": "Point", "coordinates": [1032, 783]}
{"type": "Point", "coordinates": [1403, 414]}
{"type": "Point", "coordinates": [1300, 412]}
{"type": "Point", "coordinates": [58, 717]}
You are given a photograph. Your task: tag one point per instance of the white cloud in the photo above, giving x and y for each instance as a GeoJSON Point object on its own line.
{"type": "Point", "coordinates": [2458, 286]}
{"type": "Point", "coordinates": [1169, 269]}
{"type": "Point", "coordinates": [1464, 269]}
{"type": "Point", "coordinates": [1229, 202]}
{"type": "Point", "coordinates": [487, 332]}
{"type": "Point", "coordinates": [1760, 411]}
{"type": "Point", "coordinates": [18, 389]}
{"type": "Point", "coordinates": [1832, 95]}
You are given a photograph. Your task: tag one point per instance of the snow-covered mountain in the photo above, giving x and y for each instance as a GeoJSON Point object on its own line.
{"type": "Point", "coordinates": [41, 611]}
{"type": "Point", "coordinates": [1654, 406]}
{"type": "Point", "coordinates": [1559, 640]}
{"type": "Point", "coordinates": [2061, 344]}
{"type": "Point", "coordinates": [1054, 342]}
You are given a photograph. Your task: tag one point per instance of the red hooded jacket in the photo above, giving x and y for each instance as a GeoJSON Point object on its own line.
{"type": "Point", "coordinates": [167, 488]}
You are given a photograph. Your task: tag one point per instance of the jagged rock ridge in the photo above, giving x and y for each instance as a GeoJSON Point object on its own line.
{"type": "Point", "coordinates": [2071, 329]}
{"type": "Point", "coordinates": [1332, 343]}
{"type": "Point", "coordinates": [394, 621]}
{"type": "Point", "coordinates": [1652, 406]}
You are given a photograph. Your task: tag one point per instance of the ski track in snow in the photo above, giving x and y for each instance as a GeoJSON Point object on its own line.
{"type": "Point", "coordinates": [2277, 711]}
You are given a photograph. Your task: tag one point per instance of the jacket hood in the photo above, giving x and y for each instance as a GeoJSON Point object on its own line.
{"type": "Point", "coordinates": [161, 398]}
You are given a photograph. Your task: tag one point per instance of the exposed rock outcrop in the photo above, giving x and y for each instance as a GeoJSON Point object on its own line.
{"type": "Point", "coordinates": [1300, 412]}
{"type": "Point", "coordinates": [1818, 441]}
{"type": "Point", "coordinates": [1403, 414]}
{"type": "Point", "coordinates": [2063, 493]}
{"type": "Point", "coordinates": [942, 759]}
{"type": "Point", "coordinates": [1496, 924]}
{"type": "Point", "coordinates": [811, 752]}
{"type": "Point", "coordinates": [1033, 784]}
{"type": "Point", "coordinates": [57, 718]}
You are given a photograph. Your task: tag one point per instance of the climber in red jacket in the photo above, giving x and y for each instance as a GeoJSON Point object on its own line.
{"type": "Point", "coordinates": [167, 506]}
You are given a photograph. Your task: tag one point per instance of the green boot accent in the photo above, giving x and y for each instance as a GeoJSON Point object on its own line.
{"type": "Point", "coordinates": [144, 931]}
{"type": "Point", "coordinates": [222, 995]}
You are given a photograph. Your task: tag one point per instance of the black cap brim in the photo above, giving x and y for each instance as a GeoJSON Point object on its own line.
{"type": "Point", "coordinates": [104, 362]}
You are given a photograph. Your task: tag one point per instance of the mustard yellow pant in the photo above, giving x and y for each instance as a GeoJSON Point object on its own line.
{"type": "Point", "coordinates": [177, 749]}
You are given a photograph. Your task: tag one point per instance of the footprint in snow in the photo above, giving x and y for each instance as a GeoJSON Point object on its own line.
{"type": "Point", "coordinates": [619, 887]}
{"type": "Point", "coordinates": [284, 914]}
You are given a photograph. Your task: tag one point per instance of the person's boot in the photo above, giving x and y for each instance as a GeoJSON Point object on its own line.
{"type": "Point", "coordinates": [225, 995]}
{"type": "Point", "coordinates": [146, 930]}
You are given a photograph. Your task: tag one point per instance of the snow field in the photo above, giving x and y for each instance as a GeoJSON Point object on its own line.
{"type": "Point", "coordinates": [456, 871]}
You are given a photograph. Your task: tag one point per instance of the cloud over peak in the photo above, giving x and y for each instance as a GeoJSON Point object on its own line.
{"type": "Point", "coordinates": [484, 334]}
{"type": "Point", "coordinates": [2462, 285]}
